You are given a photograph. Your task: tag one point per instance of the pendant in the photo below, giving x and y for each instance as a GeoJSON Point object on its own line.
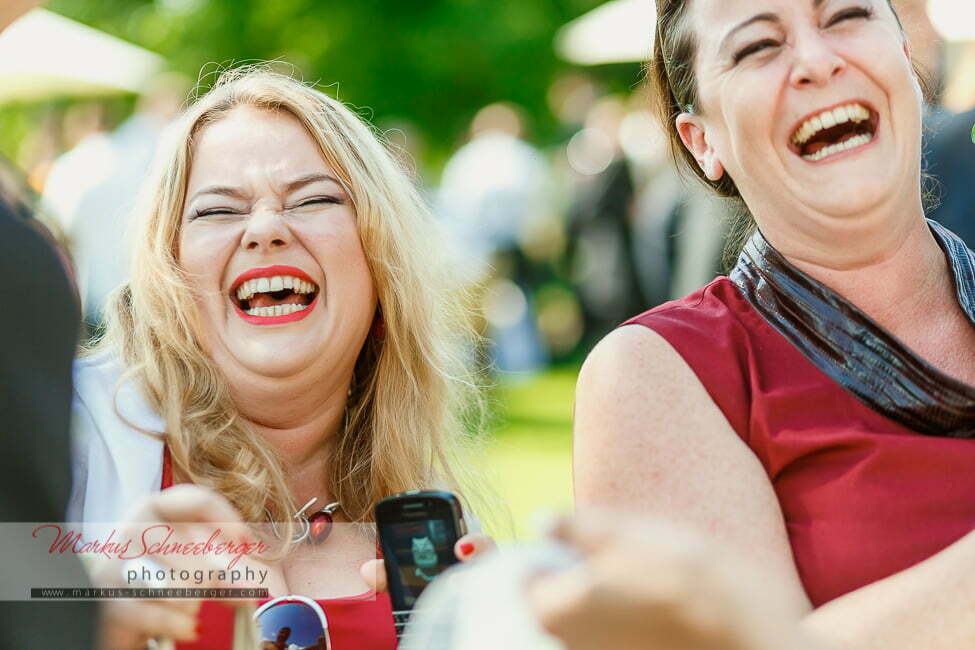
{"type": "Point", "coordinates": [320, 523]}
{"type": "Point", "coordinates": [316, 527]}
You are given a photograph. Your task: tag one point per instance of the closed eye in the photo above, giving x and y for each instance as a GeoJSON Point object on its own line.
{"type": "Point", "coordinates": [209, 212]}
{"type": "Point", "coordinates": [754, 48]}
{"type": "Point", "coordinates": [318, 200]}
{"type": "Point", "coordinates": [848, 14]}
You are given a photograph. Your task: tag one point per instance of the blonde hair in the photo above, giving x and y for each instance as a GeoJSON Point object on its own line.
{"type": "Point", "coordinates": [413, 393]}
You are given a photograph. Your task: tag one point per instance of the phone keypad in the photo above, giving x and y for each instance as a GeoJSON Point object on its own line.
{"type": "Point", "coordinates": [400, 620]}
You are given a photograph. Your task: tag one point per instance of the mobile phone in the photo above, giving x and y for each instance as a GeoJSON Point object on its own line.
{"type": "Point", "coordinates": [417, 532]}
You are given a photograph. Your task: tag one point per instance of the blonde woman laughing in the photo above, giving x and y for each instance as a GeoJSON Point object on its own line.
{"type": "Point", "coordinates": [289, 337]}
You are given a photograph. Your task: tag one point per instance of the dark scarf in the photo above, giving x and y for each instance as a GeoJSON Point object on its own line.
{"type": "Point", "coordinates": [852, 349]}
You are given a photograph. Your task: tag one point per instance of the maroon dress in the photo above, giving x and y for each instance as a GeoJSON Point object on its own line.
{"type": "Point", "coordinates": [870, 449]}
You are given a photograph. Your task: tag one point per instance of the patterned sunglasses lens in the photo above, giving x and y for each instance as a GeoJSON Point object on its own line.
{"type": "Point", "coordinates": [293, 625]}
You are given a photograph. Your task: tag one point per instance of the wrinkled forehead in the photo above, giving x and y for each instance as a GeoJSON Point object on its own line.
{"type": "Point", "coordinates": [716, 14]}
{"type": "Point", "coordinates": [712, 20]}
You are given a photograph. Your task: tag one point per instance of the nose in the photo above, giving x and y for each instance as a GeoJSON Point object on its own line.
{"type": "Point", "coordinates": [815, 61]}
{"type": "Point", "coordinates": [266, 231]}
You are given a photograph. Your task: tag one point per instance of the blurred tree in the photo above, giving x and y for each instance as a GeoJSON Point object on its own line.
{"type": "Point", "coordinates": [433, 63]}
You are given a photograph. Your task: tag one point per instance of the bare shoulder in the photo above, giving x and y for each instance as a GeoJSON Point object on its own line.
{"type": "Point", "coordinates": [629, 358]}
{"type": "Point", "coordinates": [640, 382]}
{"type": "Point", "coordinates": [649, 439]}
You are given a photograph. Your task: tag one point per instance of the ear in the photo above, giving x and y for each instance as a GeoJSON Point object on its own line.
{"type": "Point", "coordinates": [694, 136]}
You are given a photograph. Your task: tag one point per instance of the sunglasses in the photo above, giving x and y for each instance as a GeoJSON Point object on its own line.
{"type": "Point", "coordinates": [292, 623]}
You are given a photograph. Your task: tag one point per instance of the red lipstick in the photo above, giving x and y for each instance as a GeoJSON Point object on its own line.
{"type": "Point", "coordinates": [266, 272]}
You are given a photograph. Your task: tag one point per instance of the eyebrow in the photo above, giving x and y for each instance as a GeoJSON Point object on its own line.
{"type": "Point", "coordinates": [758, 18]}
{"type": "Point", "coordinates": [763, 17]}
{"type": "Point", "coordinates": [222, 190]}
{"type": "Point", "coordinates": [237, 193]}
{"type": "Point", "coordinates": [308, 179]}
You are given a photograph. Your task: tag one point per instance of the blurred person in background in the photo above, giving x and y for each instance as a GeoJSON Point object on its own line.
{"type": "Point", "coordinates": [41, 330]}
{"type": "Point", "coordinates": [92, 188]}
{"type": "Point", "coordinates": [959, 95]}
{"type": "Point", "coordinates": [951, 162]}
{"type": "Point", "coordinates": [948, 157]}
{"type": "Point", "coordinates": [493, 191]}
{"type": "Point", "coordinates": [289, 333]}
{"type": "Point", "coordinates": [678, 227]}
{"type": "Point", "coordinates": [928, 52]}
{"type": "Point", "coordinates": [815, 410]}
{"type": "Point", "coordinates": [61, 128]}
{"type": "Point", "coordinates": [600, 237]}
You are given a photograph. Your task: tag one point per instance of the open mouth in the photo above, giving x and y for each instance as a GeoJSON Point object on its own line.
{"type": "Point", "coordinates": [274, 293]}
{"type": "Point", "coordinates": [835, 131]}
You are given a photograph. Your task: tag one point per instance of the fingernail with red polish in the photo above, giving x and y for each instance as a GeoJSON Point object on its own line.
{"type": "Point", "coordinates": [466, 549]}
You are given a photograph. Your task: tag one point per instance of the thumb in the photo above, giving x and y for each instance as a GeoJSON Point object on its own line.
{"type": "Point", "coordinates": [374, 573]}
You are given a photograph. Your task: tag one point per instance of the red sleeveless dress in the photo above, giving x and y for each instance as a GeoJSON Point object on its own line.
{"type": "Point", "coordinates": [863, 496]}
{"type": "Point", "coordinates": [363, 622]}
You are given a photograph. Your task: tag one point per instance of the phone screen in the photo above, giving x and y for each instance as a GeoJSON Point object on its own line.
{"type": "Point", "coordinates": [421, 550]}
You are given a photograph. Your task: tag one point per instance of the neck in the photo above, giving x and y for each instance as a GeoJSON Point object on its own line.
{"type": "Point", "coordinates": [893, 274]}
{"type": "Point", "coordinates": [301, 425]}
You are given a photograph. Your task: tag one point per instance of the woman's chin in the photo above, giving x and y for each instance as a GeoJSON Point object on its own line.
{"type": "Point", "coordinates": [848, 195]}
{"type": "Point", "coordinates": [269, 353]}
{"type": "Point", "coordinates": [272, 361]}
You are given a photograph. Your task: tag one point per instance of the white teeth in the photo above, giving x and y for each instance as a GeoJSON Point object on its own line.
{"type": "Point", "coordinates": [276, 310]}
{"type": "Point", "coordinates": [846, 145]}
{"type": "Point", "coordinates": [276, 283]}
{"type": "Point", "coordinates": [828, 119]}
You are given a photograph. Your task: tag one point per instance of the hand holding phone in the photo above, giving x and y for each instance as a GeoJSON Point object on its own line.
{"type": "Point", "coordinates": [417, 533]}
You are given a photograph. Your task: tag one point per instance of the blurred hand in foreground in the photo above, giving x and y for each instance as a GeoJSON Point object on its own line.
{"type": "Point", "coordinates": [655, 587]}
{"type": "Point", "coordinates": [191, 511]}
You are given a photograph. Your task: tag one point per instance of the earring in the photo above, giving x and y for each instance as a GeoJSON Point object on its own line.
{"type": "Point", "coordinates": [378, 330]}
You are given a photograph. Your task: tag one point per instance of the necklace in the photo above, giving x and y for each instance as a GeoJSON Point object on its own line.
{"type": "Point", "coordinates": [315, 527]}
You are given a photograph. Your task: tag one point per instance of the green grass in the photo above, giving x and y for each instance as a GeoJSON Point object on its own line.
{"type": "Point", "coordinates": [529, 456]}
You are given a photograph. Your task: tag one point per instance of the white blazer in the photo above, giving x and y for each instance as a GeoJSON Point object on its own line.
{"type": "Point", "coordinates": [115, 465]}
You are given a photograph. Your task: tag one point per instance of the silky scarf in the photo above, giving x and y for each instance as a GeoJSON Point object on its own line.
{"type": "Point", "coordinates": [852, 349]}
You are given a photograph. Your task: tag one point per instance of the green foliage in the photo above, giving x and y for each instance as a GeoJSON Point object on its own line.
{"type": "Point", "coordinates": [431, 63]}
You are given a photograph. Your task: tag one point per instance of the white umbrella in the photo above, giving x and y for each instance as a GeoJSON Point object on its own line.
{"type": "Point", "coordinates": [954, 19]}
{"type": "Point", "coordinates": [44, 55]}
{"type": "Point", "coordinates": [622, 30]}
{"type": "Point", "coordinates": [616, 32]}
